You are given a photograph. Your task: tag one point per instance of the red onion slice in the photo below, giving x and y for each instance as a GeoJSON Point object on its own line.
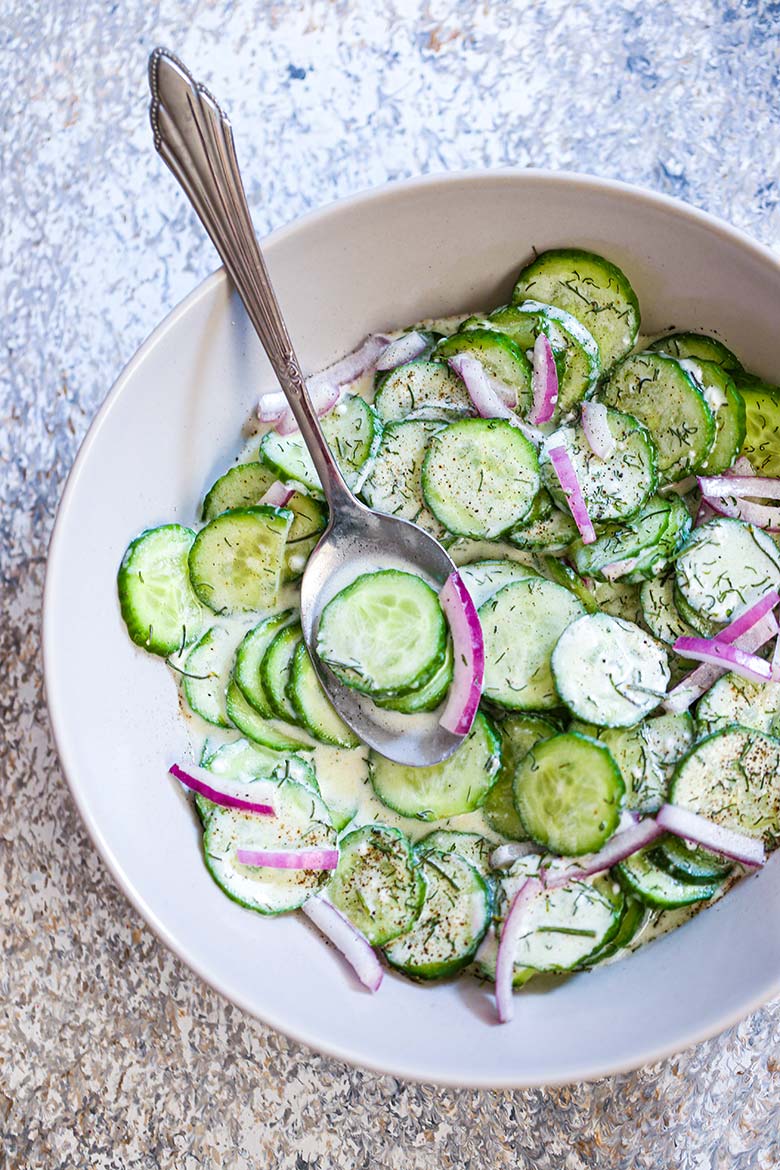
{"type": "Point", "coordinates": [681, 488]}
{"type": "Point", "coordinates": [490, 397]}
{"type": "Point", "coordinates": [272, 406]}
{"type": "Point", "coordinates": [198, 779]}
{"type": "Point", "coordinates": [544, 382]}
{"type": "Point", "coordinates": [404, 349]}
{"type": "Point", "coordinates": [324, 397]}
{"type": "Point", "coordinates": [619, 569]}
{"type": "Point", "coordinates": [716, 653]}
{"type": "Point", "coordinates": [570, 485]}
{"type": "Point", "coordinates": [750, 512]}
{"type": "Point", "coordinates": [277, 495]}
{"type": "Point", "coordinates": [693, 827]}
{"type": "Point", "coordinates": [353, 945]}
{"type": "Point", "coordinates": [726, 494]}
{"type": "Point", "coordinates": [311, 859]}
{"type": "Point", "coordinates": [505, 855]}
{"type": "Point", "coordinates": [507, 947]}
{"type": "Point", "coordinates": [746, 620]}
{"type": "Point", "coordinates": [693, 686]}
{"type": "Point", "coordinates": [620, 846]}
{"type": "Point", "coordinates": [595, 424]}
{"type": "Point", "coordinates": [469, 655]}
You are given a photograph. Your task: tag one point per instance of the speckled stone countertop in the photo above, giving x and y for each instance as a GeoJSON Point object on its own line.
{"type": "Point", "coordinates": [112, 1055]}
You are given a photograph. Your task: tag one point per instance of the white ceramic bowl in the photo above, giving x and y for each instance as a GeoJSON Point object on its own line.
{"type": "Point", "coordinates": [429, 247]}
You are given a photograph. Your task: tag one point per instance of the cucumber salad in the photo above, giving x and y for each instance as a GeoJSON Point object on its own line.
{"type": "Point", "coordinates": [608, 644]}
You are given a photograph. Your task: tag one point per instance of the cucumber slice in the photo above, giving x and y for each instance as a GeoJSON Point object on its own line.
{"type": "Point", "coordinates": [480, 477]}
{"type": "Point", "coordinates": [541, 509]}
{"type": "Point", "coordinates": [592, 289]}
{"type": "Point", "coordinates": [688, 863]}
{"type": "Point", "coordinates": [302, 821]}
{"type": "Point", "coordinates": [634, 918]}
{"type": "Point", "coordinates": [456, 785]}
{"type": "Point", "coordinates": [384, 635]}
{"type": "Point", "coordinates": [394, 484]}
{"type": "Point", "coordinates": [630, 541]}
{"type": "Point", "coordinates": [249, 658]}
{"type": "Point", "coordinates": [568, 793]}
{"type": "Point", "coordinates": [241, 763]}
{"type": "Point", "coordinates": [553, 534]}
{"type": "Point", "coordinates": [642, 877]}
{"type": "Point", "coordinates": [472, 847]}
{"type": "Point", "coordinates": [483, 579]}
{"type": "Point", "coordinates": [343, 777]}
{"type": "Point", "coordinates": [615, 488]}
{"type": "Point", "coordinates": [733, 778]}
{"type": "Point", "coordinates": [734, 699]}
{"type": "Point", "coordinates": [700, 347]}
{"type": "Point", "coordinates": [454, 918]}
{"type": "Point", "coordinates": [309, 520]}
{"type": "Point", "coordinates": [313, 707]}
{"type": "Point", "coordinates": [655, 389]}
{"type": "Point", "coordinates": [422, 390]}
{"type": "Point", "coordinates": [697, 621]}
{"type": "Point", "coordinates": [660, 612]}
{"type": "Point", "coordinates": [609, 671]}
{"type": "Point", "coordinates": [518, 674]}
{"type": "Point", "coordinates": [160, 610]}
{"type": "Point", "coordinates": [499, 355]}
{"type": "Point", "coordinates": [519, 733]}
{"type": "Point", "coordinates": [728, 408]}
{"type": "Point", "coordinates": [272, 733]}
{"type": "Point", "coordinates": [236, 561]}
{"type": "Point", "coordinates": [762, 424]}
{"type": "Point", "coordinates": [207, 673]}
{"type": "Point", "coordinates": [562, 574]}
{"type": "Point", "coordinates": [618, 598]}
{"type": "Point", "coordinates": [574, 348]}
{"type": "Point", "coordinates": [378, 884]}
{"type": "Point", "coordinates": [353, 431]}
{"type": "Point", "coordinates": [646, 755]}
{"type": "Point", "coordinates": [275, 672]}
{"type": "Point", "coordinates": [725, 566]}
{"type": "Point", "coordinates": [240, 487]}
{"type": "Point", "coordinates": [426, 698]}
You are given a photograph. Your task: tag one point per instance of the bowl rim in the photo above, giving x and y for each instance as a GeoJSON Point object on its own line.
{"type": "Point", "coordinates": [344, 1051]}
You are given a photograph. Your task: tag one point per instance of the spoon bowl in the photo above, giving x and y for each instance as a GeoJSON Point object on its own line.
{"type": "Point", "coordinates": [195, 139]}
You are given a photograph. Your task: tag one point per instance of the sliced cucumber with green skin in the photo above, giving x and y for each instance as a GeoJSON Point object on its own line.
{"type": "Point", "coordinates": [309, 520]}
{"type": "Point", "coordinates": [629, 541]}
{"type": "Point", "coordinates": [569, 793]}
{"type": "Point", "coordinates": [660, 612]}
{"type": "Point", "coordinates": [422, 390]}
{"type": "Point", "coordinates": [378, 884]}
{"type": "Point", "coordinates": [728, 407]}
{"type": "Point", "coordinates": [472, 847]}
{"type": "Point", "coordinates": [236, 561]}
{"type": "Point", "coordinates": [633, 919]}
{"type": "Point", "coordinates": [160, 610]}
{"type": "Point", "coordinates": [733, 778]}
{"type": "Point", "coordinates": [592, 289]}
{"type": "Point", "coordinates": [483, 579]}
{"type": "Point", "coordinates": [655, 389]}
{"type": "Point", "coordinates": [457, 785]}
{"type": "Point", "coordinates": [689, 863]}
{"type": "Point", "coordinates": [609, 671]}
{"type": "Point", "coordinates": [353, 430]}
{"type": "Point", "coordinates": [241, 763]}
{"type": "Point", "coordinates": [518, 673]}
{"type": "Point", "coordinates": [552, 534]}
{"type": "Point", "coordinates": [249, 658]}
{"type": "Point", "coordinates": [697, 621]}
{"type": "Point", "coordinates": [487, 956]}
{"type": "Point", "coordinates": [455, 916]}
{"type": "Point", "coordinates": [562, 574]}
{"type": "Point", "coordinates": [700, 347]}
{"type": "Point", "coordinates": [725, 566]}
{"type": "Point", "coordinates": [618, 598]}
{"type": "Point", "coordinates": [384, 635]}
{"type": "Point", "coordinates": [275, 672]}
{"type": "Point", "coordinates": [519, 733]}
{"type": "Point", "coordinates": [541, 509]}
{"type": "Point", "coordinates": [425, 698]}
{"type": "Point", "coordinates": [762, 423]}
{"type": "Point", "coordinates": [734, 699]}
{"type": "Point", "coordinates": [242, 486]}
{"type": "Point", "coordinates": [207, 673]}
{"type": "Point", "coordinates": [499, 355]}
{"type": "Point", "coordinates": [657, 559]}
{"type": "Point", "coordinates": [272, 733]}
{"type": "Point", "coordinates": [394, 484]}
{"type": "Point", "coordinates": [302, 821]}
{"type": "Point", "coordinates": [480, 477]}
{"type": "Point", "coordinates": [615, 488]}
{"type": "Point", "coordinates": [641, 876]}
{"type": "Point", "coordinates": [312, 706]}
{"type": "Point", "coordinates": [645, 755]}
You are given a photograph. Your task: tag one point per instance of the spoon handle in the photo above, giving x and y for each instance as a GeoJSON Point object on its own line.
{"type": "Point", "coordinates": [195, 139]}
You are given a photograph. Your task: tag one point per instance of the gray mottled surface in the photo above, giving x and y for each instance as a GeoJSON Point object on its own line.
{"type": "Point", "coordinates": [111, 1053]}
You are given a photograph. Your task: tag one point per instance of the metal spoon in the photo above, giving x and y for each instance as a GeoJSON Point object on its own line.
{"type": "Point", "coordinates": [195, 139]}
